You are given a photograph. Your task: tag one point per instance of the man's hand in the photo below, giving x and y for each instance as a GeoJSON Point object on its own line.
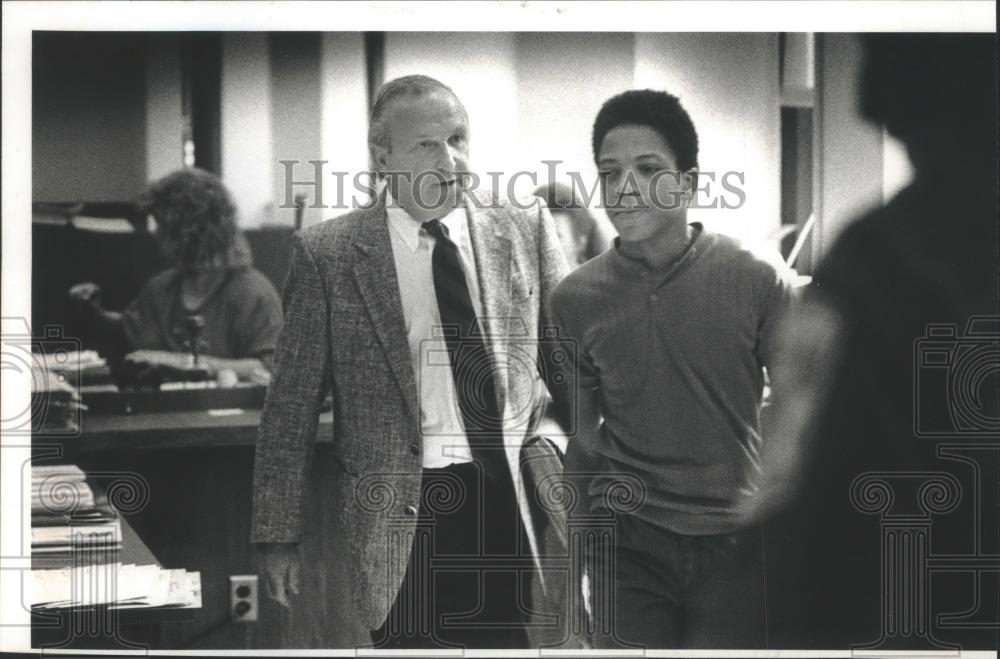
{"type": "Point", "coordinates": [86, 294]}
{"type": "Point", "coordinates": [280, 564]}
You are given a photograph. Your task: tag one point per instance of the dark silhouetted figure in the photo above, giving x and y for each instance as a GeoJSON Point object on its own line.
{"type": "Point", "coordinates": [897, 453]}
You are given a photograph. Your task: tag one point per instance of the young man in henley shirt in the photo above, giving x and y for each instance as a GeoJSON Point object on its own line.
{"type": "Point", "coordinates": [673, 327]}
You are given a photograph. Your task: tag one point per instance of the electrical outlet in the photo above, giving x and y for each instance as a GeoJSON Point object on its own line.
{"type": "Point", "coordinates": [243, 601]}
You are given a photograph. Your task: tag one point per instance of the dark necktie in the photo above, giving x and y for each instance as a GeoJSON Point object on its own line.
{"type": "Point", "coordinates": [471, 364]}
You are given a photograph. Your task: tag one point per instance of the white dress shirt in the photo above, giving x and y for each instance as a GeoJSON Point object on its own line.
{"type": "Point", "coordinates": [441, 423]}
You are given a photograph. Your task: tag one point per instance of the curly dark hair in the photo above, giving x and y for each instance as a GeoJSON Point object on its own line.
{"type": "Point", "coordinates": [660, 111]}
{"type": "Point", "coordinates": [196, 221]}
{"type": "Point", "coordinates": [937, 93]}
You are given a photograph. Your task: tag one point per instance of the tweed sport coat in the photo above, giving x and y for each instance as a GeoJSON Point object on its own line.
{"type": "Point", "coordinates": [344, 331]}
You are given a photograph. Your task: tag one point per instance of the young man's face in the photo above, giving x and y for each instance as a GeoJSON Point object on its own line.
{"type": "Point", "coordinates": [428, 153]}
{"type": "Point", "coordinates": [641, 187]}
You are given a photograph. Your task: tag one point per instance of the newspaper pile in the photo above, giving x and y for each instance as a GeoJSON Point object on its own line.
{"type": "Point", "coordinates": [55, 403]}
{"type": "Point", "coordinates": [115, 585]}
{"type": "Point", "coordinates": [74, 529]}
{"type": "Point", "coordinates": [67, 517]}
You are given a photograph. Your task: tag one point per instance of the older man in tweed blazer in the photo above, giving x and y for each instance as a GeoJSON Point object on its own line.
{"type": "Point", "coordinates": [349, 328]}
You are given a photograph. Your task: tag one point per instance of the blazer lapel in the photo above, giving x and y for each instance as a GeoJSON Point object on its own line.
{"type": "Point", "coordinates": [493, 256]}
{"type": "Point", "coordinates": [375, 273]}
{"type": "Point", "coordinates": [494, 260]}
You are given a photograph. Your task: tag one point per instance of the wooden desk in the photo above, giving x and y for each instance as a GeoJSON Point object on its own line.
{"type": "Point", "coordinates": [195, 472]}
{"type": "Point", "coordinates": [98, 627]}
{"type": "Point", "coordinates": [173, 430]}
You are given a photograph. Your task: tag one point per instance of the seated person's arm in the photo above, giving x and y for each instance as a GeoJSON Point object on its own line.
{"type": "Point", "coordinates": [252, 335]}
{"type": "Point", "coordinates": [105, 327]}
{"type": "Point", "coordinates": [257, 329]}
{"type": "Point", "coordinates": [248, 368]}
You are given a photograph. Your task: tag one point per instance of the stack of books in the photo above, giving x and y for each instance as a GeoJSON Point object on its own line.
{"type": "Point", "coordinates": [55, 403]}
{"type": "Point", "coordinates": [76, 542]}
{"type": "Point", "coordinates": [81, 367]}
{"type": "Point", "coordinates": [67, 518]}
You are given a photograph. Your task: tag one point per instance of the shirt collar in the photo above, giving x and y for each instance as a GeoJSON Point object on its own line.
{"type": "Point", "coordinates": [408, 229]}
{"type": "Point", "coordinates": [637, 266]}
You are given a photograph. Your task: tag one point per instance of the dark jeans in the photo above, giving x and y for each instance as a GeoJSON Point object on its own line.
{"type": "Point", "coordinates": [654, 588]}
{"type": "Point", "coordinates": [461, 584]}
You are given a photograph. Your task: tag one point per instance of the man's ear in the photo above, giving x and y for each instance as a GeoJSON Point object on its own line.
{"type": "Point", "coordinates": [689, 183]}
{"type": "Point", "coordinates": [379, 156]}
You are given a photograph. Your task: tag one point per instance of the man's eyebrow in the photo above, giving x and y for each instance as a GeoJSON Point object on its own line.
{"type": "Point", "coordinates": [433, 136]}
{"type": "Point", "coordinates": [653, 156]}
{"type": "Point", "coordinates": [423, 137]}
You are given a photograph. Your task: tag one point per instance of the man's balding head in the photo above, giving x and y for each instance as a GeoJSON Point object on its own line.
{"type": "Point", "coordinates": [418, 141]}
{"type": "Point", "coordinates": [407, 87]}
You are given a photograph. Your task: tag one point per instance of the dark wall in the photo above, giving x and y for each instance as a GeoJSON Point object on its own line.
{"type": "Point", "coordinates": [295, 105]}
{"type": "Point", "coordinates": [62, 256]}
{"type": "Point", "coordinates": [88, 116]}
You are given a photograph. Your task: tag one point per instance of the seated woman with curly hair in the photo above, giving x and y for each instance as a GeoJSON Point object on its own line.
{"type": "Point", "coordinates": [212, 295]}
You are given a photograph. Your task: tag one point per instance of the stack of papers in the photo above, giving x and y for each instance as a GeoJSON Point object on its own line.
{"type": "Point", "coordinates": [74, 529]}
{"type": "Point", "coordinates": [103, 224]}
{"type": "Point", "coordinates": [115, 585]}
{"type": "Point", "coordinates": [55, 403]}
{"type": "Point", "coordinates": [73, 360]}
{"type": "Point", "coordinates": [78, 367]}
{"type": "Point", "coordinates": [59, 489]}
{"type": "Point", "coordinates": [67, 517]}
{"type": "Point", "coordinates": [61, 539]}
